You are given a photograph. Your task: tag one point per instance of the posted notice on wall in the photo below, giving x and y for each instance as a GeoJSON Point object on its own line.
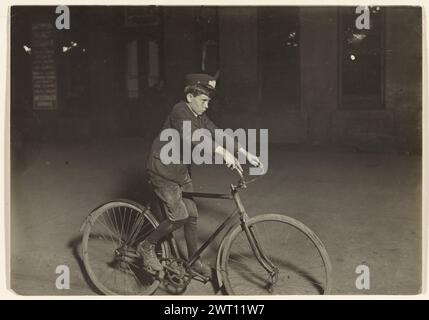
{"type": "Point", "coordinates": [43, 68]}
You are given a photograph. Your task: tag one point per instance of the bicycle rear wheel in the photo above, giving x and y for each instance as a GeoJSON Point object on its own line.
{"type": "Point", "coordinates": [298, 256]}
{"type": "Point", "coordinates": [109, 243]}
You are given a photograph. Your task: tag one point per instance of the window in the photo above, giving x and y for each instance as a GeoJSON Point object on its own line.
{"type": "Point", "coordinates": [278, 57]}
{"type": "Point", "coordinates": [73, 64]}
{"type": "Point", "coordinates": [132, 70]}
{"type": "Point", "coordinates": [361, 60]}
{"type": "Point", "coordinates": [208, 38]}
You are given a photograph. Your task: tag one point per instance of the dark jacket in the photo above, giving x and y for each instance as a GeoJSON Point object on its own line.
{"type": "Point", "coordinates": [179, 173]}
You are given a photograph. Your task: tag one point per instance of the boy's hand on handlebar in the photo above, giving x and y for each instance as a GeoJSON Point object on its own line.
{"type": "Point", "coordinates": [238, 166]}
{"type": "Point", "coordinates": [253, 160]}
{"type": "Point", "coordinates": [231, 161]}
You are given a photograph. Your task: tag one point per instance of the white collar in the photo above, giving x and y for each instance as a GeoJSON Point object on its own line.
{"type": "Point", "coordinates": [193, 112]}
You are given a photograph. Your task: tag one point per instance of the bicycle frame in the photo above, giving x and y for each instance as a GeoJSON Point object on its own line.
{"type": "Point", "coordinates": [240, 210]}
{"type": "Point", "coordinates": [178, 272]}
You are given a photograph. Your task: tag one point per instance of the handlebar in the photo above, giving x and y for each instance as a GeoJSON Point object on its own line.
{"type": "Point", "coordinates": [242, 183]}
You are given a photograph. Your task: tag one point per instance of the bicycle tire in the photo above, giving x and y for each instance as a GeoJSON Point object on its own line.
{"type": "Point", "coordinates": [95, 243]}
{"type": "Point", "coordinates": [291, 274]}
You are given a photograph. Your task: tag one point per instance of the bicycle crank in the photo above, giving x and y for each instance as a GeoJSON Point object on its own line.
{"type": "Point", "coordinates": [177, 275]}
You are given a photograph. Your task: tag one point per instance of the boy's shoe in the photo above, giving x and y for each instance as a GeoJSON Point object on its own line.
{"type": "Point", "coordinates": [202, 268]}
{"type": "Point", "coordinates": [150, 260]}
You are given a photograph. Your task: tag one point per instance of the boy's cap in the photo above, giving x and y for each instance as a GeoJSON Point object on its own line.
{"type": "Point", "coordinates": [201, 79]}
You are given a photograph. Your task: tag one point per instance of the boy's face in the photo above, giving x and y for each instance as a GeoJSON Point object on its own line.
{"type": "Point", "coordinates": [199, 104]}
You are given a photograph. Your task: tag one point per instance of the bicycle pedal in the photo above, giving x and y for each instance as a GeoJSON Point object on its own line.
{"type": "Point", "coordinates": [200, 277]}
{"type": "Point", "coordinates": [161, 275]}
{"type": "Point", "coordinates": [151, 271]}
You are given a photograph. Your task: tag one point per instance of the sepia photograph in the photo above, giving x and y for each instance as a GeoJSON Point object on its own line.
{"type": "Point", "coordinates": [215, 150]}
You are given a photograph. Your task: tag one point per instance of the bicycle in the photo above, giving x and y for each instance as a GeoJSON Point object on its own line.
{"type": "Point", "coordinates": [265, 254]}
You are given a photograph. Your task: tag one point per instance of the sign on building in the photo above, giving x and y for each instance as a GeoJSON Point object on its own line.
{"type": "Point", "coordinates": [43, 67]}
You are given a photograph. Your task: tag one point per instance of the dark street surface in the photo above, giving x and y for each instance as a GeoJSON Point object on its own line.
{"type": "Point", "coordinates": [366, 208]}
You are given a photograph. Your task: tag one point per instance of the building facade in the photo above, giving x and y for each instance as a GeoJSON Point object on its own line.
{"type": "Point", "coordinates": [308, 74]}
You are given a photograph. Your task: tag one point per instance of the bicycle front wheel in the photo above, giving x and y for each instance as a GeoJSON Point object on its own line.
{"type": "Point", "coordinates": [110, 238]}
{"type": "Point", "coordinates": [298, 259]}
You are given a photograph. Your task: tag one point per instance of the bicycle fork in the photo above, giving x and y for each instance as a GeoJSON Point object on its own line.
{"type": "Point", "coordinates": [255, 244]}
{"type": "Point", "coordinates": [258, 250]}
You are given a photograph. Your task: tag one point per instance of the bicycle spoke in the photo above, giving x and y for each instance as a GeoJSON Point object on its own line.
{"type": "Point", "coordinates": [111, 266]}
{"type": "Point", "coordinates": [116, 225]}
{"type": "Point", "coordinates": [101, 249]}
{"type": "Point", "coordinates": [122, 222]}
{"type": "Point", "coordinates": [134, 227]}
{"type": "Point", "coordinates": [137, 230]}
{"type": "Point", "coordinates": [281, 279]}
{"type": "Point", "coordinates": [110, 234]}
{"type": "Point", "coordinates": [106, 225]}
{"type": "Point", "coordinates": [134, 275]}
{"type": "Point", "coordinates": [261, 268]}
{"type": "Point", "coordinates": [288, 246]}
{"type": "Point", "coordinates": [144, 235]}
{"type": "Point", "coordinates": [134, 265]}
{"type": "Point", "coordinates": [104, 238]}
{"type": "Point", "coordinates": [125, 284]}
{"type": "Point", "coordinates": [132, 224]}
{"type": "Point", "coordinates": [250, 272]}
{"type": "Point", "coordinates": [112, 221]}
{"type": "Point", "coordinates": [128, 218]}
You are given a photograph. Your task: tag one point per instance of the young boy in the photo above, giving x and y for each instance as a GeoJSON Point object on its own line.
{"type": "Point", "coordinates": [170, 180]}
